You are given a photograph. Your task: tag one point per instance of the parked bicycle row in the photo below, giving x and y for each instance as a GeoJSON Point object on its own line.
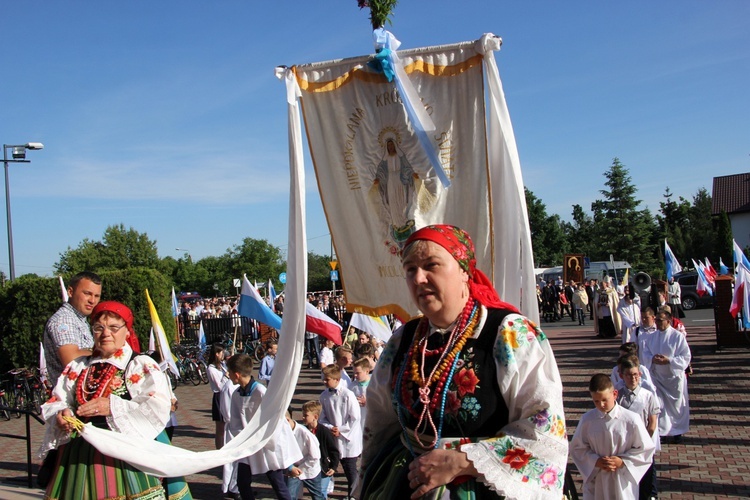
{"type": "Point", "coordinates": [21, 389]}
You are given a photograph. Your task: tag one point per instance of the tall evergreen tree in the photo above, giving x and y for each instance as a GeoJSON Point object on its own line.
{"type": "Point", "coordinates": [620, 227]}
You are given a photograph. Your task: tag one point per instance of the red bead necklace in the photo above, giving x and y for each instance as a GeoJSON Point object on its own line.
{"type": "Point", "coordinates": [94, 382]}
{"type": "Point", "coordinates": [430, 387]}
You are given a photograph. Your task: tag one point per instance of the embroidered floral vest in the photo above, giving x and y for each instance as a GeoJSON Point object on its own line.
{"type": "Point", "coordinates": [474, 406]}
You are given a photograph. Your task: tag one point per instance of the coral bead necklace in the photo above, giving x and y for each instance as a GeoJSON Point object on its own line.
{"type": "Point", "coordinates": [94, 382]}
{"type": "Point", "coordinates": [431, 386]}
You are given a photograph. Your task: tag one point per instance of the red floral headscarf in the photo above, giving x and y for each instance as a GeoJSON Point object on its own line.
{"type": "Point", "coordinates": [458, 243]}
{"type": "Point", "coordinates": [125, 313]}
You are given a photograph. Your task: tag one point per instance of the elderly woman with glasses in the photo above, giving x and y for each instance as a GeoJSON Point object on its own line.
{"type": "Point", "coordinates": [115, 389]}
{"type": "Point", "coordinates": [466, 400]}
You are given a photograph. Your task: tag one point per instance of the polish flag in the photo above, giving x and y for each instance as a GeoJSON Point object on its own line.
{"type": "Point", "coordinates": [318, 322]}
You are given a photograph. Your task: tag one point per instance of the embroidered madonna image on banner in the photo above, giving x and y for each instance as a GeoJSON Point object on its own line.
{"type": "Point", "coordinates": [376, 182]}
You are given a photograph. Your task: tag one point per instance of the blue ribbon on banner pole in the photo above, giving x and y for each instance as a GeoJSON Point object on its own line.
{"type": "Point", "coordinates": [389, 62]}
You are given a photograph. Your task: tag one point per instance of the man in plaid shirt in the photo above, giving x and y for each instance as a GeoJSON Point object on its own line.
{"type": "Point", "coordinates": [67, 334]}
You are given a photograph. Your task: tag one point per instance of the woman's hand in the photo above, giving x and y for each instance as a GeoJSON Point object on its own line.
{"type": "Point", "coordinates": [436, 468]}
{"type": "Point", "coordinates": [98, 407]}
{"type": "Point", "coordinates": [62, 424]}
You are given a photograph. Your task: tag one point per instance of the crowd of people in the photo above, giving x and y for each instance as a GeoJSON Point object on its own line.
{"type": "Point", "coordinates": [464, 401]}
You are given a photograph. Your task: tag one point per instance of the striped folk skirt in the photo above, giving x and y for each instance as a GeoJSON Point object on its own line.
{"type": "Point", "coordinates": [83, 473]}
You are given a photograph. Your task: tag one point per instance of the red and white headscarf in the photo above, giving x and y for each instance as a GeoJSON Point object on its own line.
{"type": "Point", "coordinates": [125, 313]}
{"type": "Point", "coordinates": [458, 243]}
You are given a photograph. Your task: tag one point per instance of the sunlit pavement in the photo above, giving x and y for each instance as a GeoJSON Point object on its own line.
{"type": "Point", "coordinates": [713, 460]}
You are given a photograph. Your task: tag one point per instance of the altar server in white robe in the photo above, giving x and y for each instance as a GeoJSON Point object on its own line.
{"type": "Point", "coordinates": [630, 316]}
{"type": "Point", "coordinates": [279, 453]}
{"type": "Point", "coordinates": [666, 355]}
{"type": "Point", "coordinates": [611, 446]}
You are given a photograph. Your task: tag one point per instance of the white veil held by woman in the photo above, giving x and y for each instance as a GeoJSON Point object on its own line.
{"type": "Point", "coordinates": [165, 460]}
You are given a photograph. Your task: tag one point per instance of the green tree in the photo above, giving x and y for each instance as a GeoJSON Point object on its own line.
{"type": "Point", "coordinates": [673, 222]}
{"type": "Point", "coordinates": [620, 227]}
{"type": "Point", "coordinates": [257, 258]}
{"type": "Point", "coordinates": [120, 248]}
{"type": "Point", "coordinates": [547, 236]}
{"type": "Point", "coordinates": [581, 232]}
{"type": "Point", "coordinates": [724, 246]}
{"type": "Point", "coordinates": [319, 273]}
{"type": "Point", "coordinates": [701, 226]}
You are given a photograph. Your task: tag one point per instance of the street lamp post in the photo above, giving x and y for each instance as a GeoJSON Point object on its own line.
{"type": "Point", "coordinates": [189, 257]}
{"type": "Point", "coordinates": [19, 156]}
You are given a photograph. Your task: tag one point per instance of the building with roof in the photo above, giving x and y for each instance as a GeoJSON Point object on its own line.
{"type": "Point", "coordinates": [731, 194]}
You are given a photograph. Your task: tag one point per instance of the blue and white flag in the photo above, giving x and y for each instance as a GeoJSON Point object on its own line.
{"type": "Point", "coordinates": [272, 295]}
{"type": "Point", "coordinates": [673, 265]}
{"type": "Point", "coordinates": [739, 258]}
{"type": "Point", "coordinates": [175, 305]}
{"type": "Point", "coordinates": [201, 337]}
{"type": "Point", "coordinates": [254, 307]}
{"type": "Point", "coordinates": [722, 268]}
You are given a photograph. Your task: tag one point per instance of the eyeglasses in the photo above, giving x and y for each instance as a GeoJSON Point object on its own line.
{"type": "Point", "coordinates": [110, 328]}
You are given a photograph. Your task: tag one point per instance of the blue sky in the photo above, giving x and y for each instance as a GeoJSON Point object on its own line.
{"type": "Point", "coordinates": [166, 116]}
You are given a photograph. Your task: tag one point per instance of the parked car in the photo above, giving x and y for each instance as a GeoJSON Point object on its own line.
{"type": "Point", "coordinates": [688, 281]}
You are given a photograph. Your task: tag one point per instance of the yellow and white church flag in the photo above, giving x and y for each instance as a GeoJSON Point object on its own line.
{"type": "Point", "coordinates": [378, 185]}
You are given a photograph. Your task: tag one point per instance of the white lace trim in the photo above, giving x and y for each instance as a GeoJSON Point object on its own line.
{"type": "Point", "coordinates": [498, 477]}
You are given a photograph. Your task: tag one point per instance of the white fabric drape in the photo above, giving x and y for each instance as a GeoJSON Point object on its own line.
{"type": "Point", "coordinates": [169, 461]}
{"type": "Point", "coordinates": [514, 260]}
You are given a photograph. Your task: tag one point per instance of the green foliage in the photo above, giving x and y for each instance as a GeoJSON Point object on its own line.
{"type": "Point", "coordinates": [27, 303]}
{"type": "Point", "coordinates": [257, 258]}
{"type": "Point", "coordinates": [724, 246]}
{"type": "Point", "coordinates": [620, 228]}
{"type": "Point", "coordinates": [380, 11]}
{"type": "Point", "coordinates": [319, 273]}
{"type": "Point", "coordinates": [547, 237]}
{"type": "Point", "coordinates": [581, 232]}
{"type": "Point", "coordinates": [128, 286]}
{"type": "Point", "coordinates": [120, 248]}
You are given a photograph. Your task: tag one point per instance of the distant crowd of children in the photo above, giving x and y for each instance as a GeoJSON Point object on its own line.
{"type": "Point", "coordinates": [304, 454]}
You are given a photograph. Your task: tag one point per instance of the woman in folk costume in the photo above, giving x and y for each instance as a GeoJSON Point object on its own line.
{"type": "Point", "coordinates": [466, 401]}
{"type": "Point", "coordinates": [115, 389]}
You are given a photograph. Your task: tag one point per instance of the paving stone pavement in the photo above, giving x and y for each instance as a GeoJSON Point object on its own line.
{"type": "Point", "coordinates": [713, 461]}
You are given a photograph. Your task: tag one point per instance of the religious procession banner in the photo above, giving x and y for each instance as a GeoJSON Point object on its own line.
{"type": "Point", "coordinates": [378, 184]}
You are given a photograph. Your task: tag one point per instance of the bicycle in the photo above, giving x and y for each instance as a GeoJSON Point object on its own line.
{"type": "Point", "coordinates": [248, 345]}
{"type": "Point", "coordinates": [29, 391]}
{"type": "Point", "coordinates": [187, 367]}
{"type": "Point", "coordinates": [5, 411]}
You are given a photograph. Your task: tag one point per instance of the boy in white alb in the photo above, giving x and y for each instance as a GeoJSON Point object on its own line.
{"type": "Point", "coordinates": [307, 470]}
{"type": "Point", "coordinates": [611, 446]}
{"type": "Point", "coordinates": [626, 349]}
{"type": "Point", "coordinates": [634, 397]}
{"type": "Point", "coordinates": [326, 354]}
{"type": "Point", "coordinates": [359, 386]}
{"type": "Point", "coordinates": [344, 357]}
{"type": "Point", "coordinates": [341, 414]}
{"type": "Point", "coordinates": [281, 451]}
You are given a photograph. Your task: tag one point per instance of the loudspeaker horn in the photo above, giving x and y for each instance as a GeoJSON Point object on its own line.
{"type": "Point", "coordinates": [642, 282]}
